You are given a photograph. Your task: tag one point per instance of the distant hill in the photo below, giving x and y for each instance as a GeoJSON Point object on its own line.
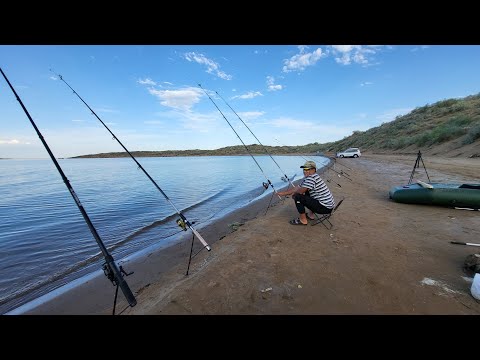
{"type": "Point", "coordinates": [448, 128]}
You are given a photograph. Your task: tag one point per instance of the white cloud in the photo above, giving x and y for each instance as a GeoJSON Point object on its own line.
{"type": "Point", "coordinates": [301, 61]}
{"type": "Point", "coordinates": [249, 95]}
{"type": "Point", "coordinates": [271, 86]}
{"type": "Point", "coordinates": [366, 83]}
{"type": "Point", "coordinates": [182, 99]}
{"type": "Point", "coordinates": [212, 66]}
{"type": "Point", "coordinates": [275, 87]}
{"type": "Point", "coordinates": [359, 54]}
{"type": "Point", "coordinates": [53, 78]}
{"type": "Point", "coordinates": [10, 142]}
{"type": "Point", "coordinates": [147, 81]}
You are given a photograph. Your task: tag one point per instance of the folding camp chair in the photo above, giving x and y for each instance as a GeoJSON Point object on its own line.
{"type": "Point", "coordinates": [324, 219]}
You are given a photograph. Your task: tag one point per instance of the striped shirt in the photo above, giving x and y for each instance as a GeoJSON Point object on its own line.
{"type": "Point", "coordinates": [318, 190]}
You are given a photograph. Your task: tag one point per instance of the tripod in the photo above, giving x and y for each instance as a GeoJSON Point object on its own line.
{"type": "Point", "coordinates": [417, 165]}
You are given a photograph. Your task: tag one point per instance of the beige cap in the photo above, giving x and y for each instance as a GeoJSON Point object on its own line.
{"type": "Point", "coordinates": [309, 165]}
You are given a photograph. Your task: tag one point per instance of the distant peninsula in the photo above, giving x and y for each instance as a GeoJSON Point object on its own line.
{"type": "Point", "coordinates": [254, 149]}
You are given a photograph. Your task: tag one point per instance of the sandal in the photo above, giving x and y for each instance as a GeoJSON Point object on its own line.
{"type": "Point", "coordinates": [296, 222]}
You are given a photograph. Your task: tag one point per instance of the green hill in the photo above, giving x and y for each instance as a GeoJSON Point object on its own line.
{"type": "Point", "coordinates": [447, 128]}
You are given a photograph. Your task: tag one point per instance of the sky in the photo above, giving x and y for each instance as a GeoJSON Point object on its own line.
{"type": "Point", "coordinates": [150, 99]}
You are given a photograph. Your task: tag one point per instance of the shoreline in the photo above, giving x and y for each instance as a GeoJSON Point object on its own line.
{"type": "Point", "coordinates": [380, 257]}
{"type": "Point", "coordinates": [148, 265]}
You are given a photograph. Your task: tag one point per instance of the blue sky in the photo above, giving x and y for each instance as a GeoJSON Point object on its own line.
{"type": "Point", "coordinates": [148, 95]}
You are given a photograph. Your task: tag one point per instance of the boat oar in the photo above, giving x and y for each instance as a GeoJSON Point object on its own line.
{"type": "Point", "coordinates": [464, 243]}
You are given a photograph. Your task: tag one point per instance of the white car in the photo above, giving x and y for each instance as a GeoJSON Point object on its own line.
{"type": "Point", "coordinates": [350, 152]}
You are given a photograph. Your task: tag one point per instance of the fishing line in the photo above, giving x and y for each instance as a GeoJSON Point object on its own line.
{"type": "Point", "coordinates": [337, 162]}
{"type": "Point", "coordinates": [182, 222]}
{"type": "Point", "coordinates": [334, 159]}
{"type": "Point", "coordinates": [113, 273]}
{"type": "Point", "coordinates": [340, 174]}
{"type": "Point", "coordinates": [286, 177]}
{"type": "Point", "coordinates": [265, 185]}
{"type": "Point", "coordinates": [303, 157]}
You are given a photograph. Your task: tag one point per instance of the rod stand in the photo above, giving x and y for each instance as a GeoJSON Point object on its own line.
{"type": "Point", "coordinates": [190, 257]}
{"type": "Point", "coordinates": [108, 271]}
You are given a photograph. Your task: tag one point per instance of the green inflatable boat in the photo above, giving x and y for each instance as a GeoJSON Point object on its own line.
{"type": "Point", "coordinates": [452, 195]}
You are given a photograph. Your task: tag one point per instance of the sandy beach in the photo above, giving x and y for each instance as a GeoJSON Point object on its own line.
{"type": "Point", "coordinates": [380, 257]}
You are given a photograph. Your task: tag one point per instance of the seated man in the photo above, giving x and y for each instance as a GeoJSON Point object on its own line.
{"type": "Point", "coordinates": [312, 193]}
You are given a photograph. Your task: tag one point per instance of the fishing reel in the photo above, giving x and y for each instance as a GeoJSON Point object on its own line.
{"type": "Point", "coordinates": [265, 185]}
{"type": "Point", "coordinates": [108, 271]}
{"type": "Point", "coordinates": [182, 224]}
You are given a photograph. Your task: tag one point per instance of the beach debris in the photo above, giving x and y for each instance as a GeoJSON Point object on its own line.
{"type": "Point", "coordinates": [236, 225]}
{"type": "Point", "coordinates": [440, 284]}
{"type": "Point", "coordinates": [266, 290]}
{"type": "Point", "coordinates": [299, 286]}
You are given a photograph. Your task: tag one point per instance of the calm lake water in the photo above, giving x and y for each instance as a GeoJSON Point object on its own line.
{"type": "Point", "coordinates": [45, 242]}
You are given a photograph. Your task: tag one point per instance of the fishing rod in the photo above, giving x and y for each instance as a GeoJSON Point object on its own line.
{"type": "Point", "coordinates": [334, 159]}
{"type": "Point", "coordinates": [337, 162]}
{"type": "Point", "coordinates": [182, 222]}
{"type": "Point", "coordinates": [286, 177]}
{"type": "Point", "coordinates": [464, 243]}
{"type": "Point", "coordinates": [114, 274]}
{"type": "Point", "coordinates": [265, 185]}
{"type": "Point", "coordinates": [340, 173]}
{"type": "Point", "coordinates": [303, 157]}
